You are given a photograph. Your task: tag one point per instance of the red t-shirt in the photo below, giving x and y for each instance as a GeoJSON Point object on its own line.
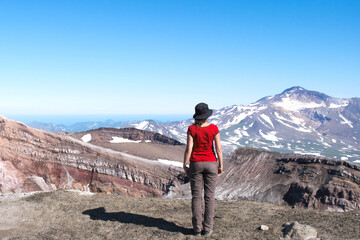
{"type": "Point", "coordinates": [203, 137]}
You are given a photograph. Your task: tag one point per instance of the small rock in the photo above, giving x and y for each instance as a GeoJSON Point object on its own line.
{"type": "Point", "coordinates": [299, 231]}
{"type": "Point", "coordinates": [219, 216]}
{"type": "Point", "coordinates": [264, 228]}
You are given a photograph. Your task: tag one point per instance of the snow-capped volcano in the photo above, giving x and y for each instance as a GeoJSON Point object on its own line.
{"type": "Point", "coordinates": [297, 99]}
{"type": "Point", "coordinates": [296, 120]}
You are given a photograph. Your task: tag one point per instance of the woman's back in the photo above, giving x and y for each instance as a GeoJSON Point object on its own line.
{"type": "Point", "coordinates": [203, 137]}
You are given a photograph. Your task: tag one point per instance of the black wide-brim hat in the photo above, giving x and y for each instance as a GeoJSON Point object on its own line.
{"type": "Point", "coordinates": [202, 111]}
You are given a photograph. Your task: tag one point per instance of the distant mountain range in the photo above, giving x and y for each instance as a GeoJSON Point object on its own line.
{"type": "Point", "coordinates": [78, 127]}
{"type": "Point", "coordinates": [294, 121]}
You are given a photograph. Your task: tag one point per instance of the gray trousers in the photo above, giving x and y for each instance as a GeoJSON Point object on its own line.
{"type": "Point", "coordinates": [203, 176]}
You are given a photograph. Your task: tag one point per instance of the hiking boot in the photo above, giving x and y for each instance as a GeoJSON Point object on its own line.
{"type": "Point", "coordinates": [207, 233]}
{"type": "Point", "coordinates": [197, 234]}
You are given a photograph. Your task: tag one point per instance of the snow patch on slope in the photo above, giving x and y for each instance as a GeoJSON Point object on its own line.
{"type": "Point", "coordinates": [345, 121]}
{"type": "Point", "coordinates": [142, 125]}
{"type": "Point", "coordinates": [282, 121]}
{"type": "Point", "coordinates": [123, 140]}
{"type": "Point", "coordinates": [343, 104]}
{"type": "Point", "coordinates": [295, 105]}
{"type": "Point", "coordinates": [308, 153]}
{"type": "Point", "coordinates": [236, 119]}
{"type": "Point", "coordinates": [86, 138]}
{"type": "Point", "coordinates": [271, 136]}
{"type": "Point", "coordinates": [169, 162]}
{"type": "Point", "coordinates": [267, 119]}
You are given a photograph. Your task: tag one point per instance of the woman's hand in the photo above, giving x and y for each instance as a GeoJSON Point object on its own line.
{"type": "Point", "coordinates": [220, 170]}
{"type": "Point", "coordinates": [187, 154]}
{"type": "Point", "coordinates": [187, 171]}
{"type": "Point", "coordinates": [219, 153]}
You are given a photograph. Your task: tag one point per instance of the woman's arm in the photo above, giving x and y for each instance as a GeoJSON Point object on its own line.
{"type": "Point", "coordinates": [219, 153]}
{"type": "Point", "coordinates": [188, 150]}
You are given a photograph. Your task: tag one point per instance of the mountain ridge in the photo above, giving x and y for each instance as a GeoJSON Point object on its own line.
{"type": "Point", "coordinates": [296, 120]}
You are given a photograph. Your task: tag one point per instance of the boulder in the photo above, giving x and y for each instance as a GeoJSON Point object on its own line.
{"type": "Point", "coordinates": [299, 231]}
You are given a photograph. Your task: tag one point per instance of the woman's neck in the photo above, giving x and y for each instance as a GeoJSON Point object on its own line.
{"type": "Point", "coordinates": [205, 124]}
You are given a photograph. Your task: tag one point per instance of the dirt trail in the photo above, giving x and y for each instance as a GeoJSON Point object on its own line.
{"type": "Point", "coordinates": [70, 215]}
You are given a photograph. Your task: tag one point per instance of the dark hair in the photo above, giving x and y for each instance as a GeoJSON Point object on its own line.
{"type": "Point", "coordinates": [199, 122]}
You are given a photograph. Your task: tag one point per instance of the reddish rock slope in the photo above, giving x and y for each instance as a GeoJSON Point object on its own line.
{"type": "Point", "coordinates": [32, 160]}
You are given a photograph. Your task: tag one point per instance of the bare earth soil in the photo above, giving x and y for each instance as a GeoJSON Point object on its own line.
{"type": "Point", "coordinates": [73, 215]}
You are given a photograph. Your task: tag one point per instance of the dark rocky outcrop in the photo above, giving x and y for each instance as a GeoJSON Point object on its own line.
{"type": "Point", "coordinates": [297, 180]}
{"type": "Point", "coordinates": [287, 179]}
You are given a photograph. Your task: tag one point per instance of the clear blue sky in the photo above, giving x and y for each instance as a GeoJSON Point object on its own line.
{"type": "Point", "coordinates": [163, 57]}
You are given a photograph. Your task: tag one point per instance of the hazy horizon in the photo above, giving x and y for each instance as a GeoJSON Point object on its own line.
{"type": "Point", "coordinates": [69, 119]}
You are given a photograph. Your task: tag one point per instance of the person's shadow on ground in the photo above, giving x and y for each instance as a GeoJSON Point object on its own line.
{"type": "Point", "coordinates": [123, 217]}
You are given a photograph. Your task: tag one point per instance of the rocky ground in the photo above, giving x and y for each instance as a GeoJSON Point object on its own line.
{"type": "Point", "coordinates": [73, 215]}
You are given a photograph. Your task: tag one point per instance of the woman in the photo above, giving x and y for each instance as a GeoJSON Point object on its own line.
{"type": "Point", "coordinates": [204, 168]}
